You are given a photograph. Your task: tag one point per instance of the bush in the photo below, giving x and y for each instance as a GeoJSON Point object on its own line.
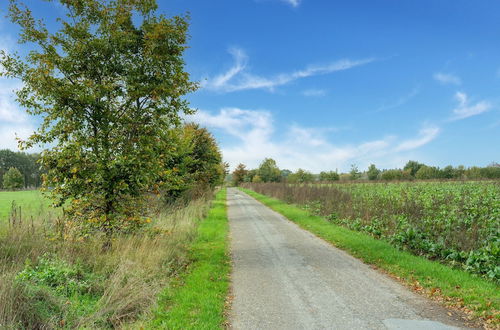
{"type": "Point", "coordinates": [13, 179]}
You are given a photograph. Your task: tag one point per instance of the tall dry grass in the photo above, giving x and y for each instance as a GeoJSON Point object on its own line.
{"type": "Point", "coordinates": [123, 282]}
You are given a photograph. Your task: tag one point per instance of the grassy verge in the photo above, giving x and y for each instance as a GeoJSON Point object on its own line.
{"type": "Point", "coordinates": [47, 282]}
{"type": "Point", "coordinates": [196, 299]}
{"type": "Point", "coordinates": [452, 286]}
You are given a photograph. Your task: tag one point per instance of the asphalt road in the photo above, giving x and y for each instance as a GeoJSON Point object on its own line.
{"type": "Point", "coordinates": [286, 278]}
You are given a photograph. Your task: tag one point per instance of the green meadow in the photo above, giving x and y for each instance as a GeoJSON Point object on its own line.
{"type": "Point", "coordinates": [31, 202]}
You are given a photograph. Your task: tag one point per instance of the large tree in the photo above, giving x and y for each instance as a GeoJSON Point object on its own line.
{"type": "Point", "coordinates": [108, 85]}
{"type": "Point", "coordinates": [194, 163]}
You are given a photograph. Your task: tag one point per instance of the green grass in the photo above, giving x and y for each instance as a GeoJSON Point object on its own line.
{"type": "Point", "coordinates": [32, 202]}
{"type": "Point", "coordinates": [478, 295]}
{"type": "Point", "coordinates": [196, 299]}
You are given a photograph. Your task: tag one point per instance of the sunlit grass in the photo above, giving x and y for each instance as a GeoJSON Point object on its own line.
{"type": "Point", "coordinates": [196, 299]}
{"type": "Point", "coordinates": [32, 202]}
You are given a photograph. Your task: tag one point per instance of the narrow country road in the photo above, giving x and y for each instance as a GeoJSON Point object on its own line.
{"type": "Point", "coordinates": [286, 278]}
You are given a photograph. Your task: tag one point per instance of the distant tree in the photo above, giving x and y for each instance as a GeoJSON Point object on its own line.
{"type": "Point", "coordinates": [473, 172]}
{"type": "Point", "coordinates": [268, 171]}
{"type": "Point", "coordinates": [250, 175]}
{"type": "Point", "coordinates": [108, 85]}
{"type": "Point", "coordinates": [373, 172]}
{"type": "Point", "coordinates": [394, 174]}
{"type": "Point", "coordinates": [413, 166]}
{"type": "Point", "coordinates": [344, 177]}
{"type": "Point", "coordinates": [284, 174]}
{"type": "Point", "coordinates": [26, 163]}
{"type": "Point", "coordinates": [13, 179]}
{"type": "Point", "coordinates": [301, 176]}
{"type": "Point", "coordinates": [329, 176]}
{"type": "Point", "coordinates": [239, 174]}
{"type": "Point", "coordinates": [459, 172]}
{"type": "Point", "coordinates": [427, 172]}
{"type": "Point", "coordinates": [257, 179]}
{"type": "Point", "coordinates": [354, 173]}
{"type": "Point", "coordinates": [490, 172]}
{"type": "Point", "coordinates": [447, 172]}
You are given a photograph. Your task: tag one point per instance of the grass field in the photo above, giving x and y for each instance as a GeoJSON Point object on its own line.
{"type": "Point", "coordinates": [32, 202]}
{"type": "Point", "coordinates": [453, 286]}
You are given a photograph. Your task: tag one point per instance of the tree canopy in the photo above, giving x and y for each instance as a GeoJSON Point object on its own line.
{"type": "Point", "coordinates": [13, 179]}
{"type": "Point", "coordinates": [109, 87]}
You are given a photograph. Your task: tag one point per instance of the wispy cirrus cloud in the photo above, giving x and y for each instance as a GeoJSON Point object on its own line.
{"type": "Point", "coordinates": [466, 110]}
{"type": "Point", "coordinates": [252, 139]}
{"type": "Point", "coordinates": [399, 102]}
{"type": "Point", "coordinates": [237, 77]}
{"type": "Point", "coordinates": [314, 92]}
{"type": "Point", "coordinates": [447, 78]}
{"type": "Point", "coordinates": [293, 3]}
{"type": "Point", "coordinates": [425, 135]}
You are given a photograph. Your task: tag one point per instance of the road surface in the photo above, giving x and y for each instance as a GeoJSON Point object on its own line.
{"type": "Point", "coordinates": [286, 278]}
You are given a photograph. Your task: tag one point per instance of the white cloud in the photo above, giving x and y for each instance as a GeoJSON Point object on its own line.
{"type": "Point", "coordinates": [14, 122]}
{"type": "Point", "coordinates": [426, 135]}
{"type": "Point", "coordinates": [447, 78]}
{"type": "Point", "coordinates": [237, 78]}
{"type": "Point", "coordinates": [301, 147]}
{"type": "Point", "coordinates": [314, 92]}
{"type": "Point", "coordinates": [293, 3]}
{"type": "Point", "coordinates": [465, 110]}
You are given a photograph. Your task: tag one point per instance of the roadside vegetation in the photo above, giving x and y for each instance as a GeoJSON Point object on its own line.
{"type": "Point", "coordinates": [196, 299]}
{"type": "Point", "coordinates": [454, 287]}
{"type": "Point", "coordinates": [49, 281]}
{"type": "Point", "coordinates": [456, 223]}
{"type": "Point", "coordinates": [127, 178]}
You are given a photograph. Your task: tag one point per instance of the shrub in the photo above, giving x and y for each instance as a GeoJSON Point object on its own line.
{"type": "Point", "coordinates": [13, 179]}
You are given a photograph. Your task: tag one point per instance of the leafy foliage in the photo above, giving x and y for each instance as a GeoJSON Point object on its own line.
{"type": "Point", "coordinates": [354, 174]}
{"type": "Point", "coordinates": [194, 163]}
{"type": "Point", "coordinates": [56, 274]}
{"type": "Point", "coordinates": [13, 179]}
{"type": "Point", "coordinates": [268, 171]}
{"type": "Point", "coordinates": [300, 176]}
{"type": "Point", "coordinates": [373, 172]}
{"type": "Point", "coordinates": [109, 86]}
{"type": "Point", "coordinates": [239, 174]}
{"type": "Point", "coordinates": [329, 176]}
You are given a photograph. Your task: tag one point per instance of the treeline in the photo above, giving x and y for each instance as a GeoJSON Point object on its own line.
{"type": "Point", "coordinates": [268, 171]}
{"type": "Point", "coordinates": [23, 168]}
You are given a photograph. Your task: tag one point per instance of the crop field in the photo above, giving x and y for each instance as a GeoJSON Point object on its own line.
{"type": "Point", "coordinates": [457, 223]}
{"type": "Point", "coordinates": [32, 202]}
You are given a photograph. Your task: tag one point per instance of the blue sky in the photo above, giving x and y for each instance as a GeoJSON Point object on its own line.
{"type": "Point", "coordinates": [322, 85]}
